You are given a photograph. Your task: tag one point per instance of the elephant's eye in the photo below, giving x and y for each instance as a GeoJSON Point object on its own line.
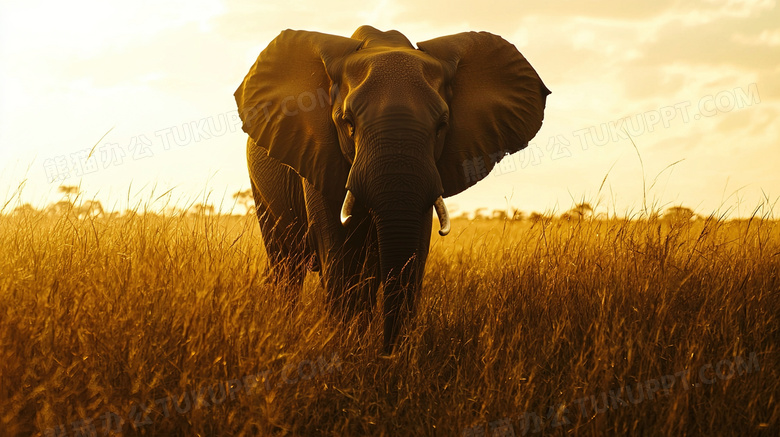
{"type": "Point", "coordinates": [440, 128]}
{"type": "Point", "coordinates": [442, 125]}
{"type": "Point", "coordinates": [350, 124]}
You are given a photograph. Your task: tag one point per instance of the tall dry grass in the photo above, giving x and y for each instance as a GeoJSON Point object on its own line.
{"type": "Point", "coordinates": [109, 318]}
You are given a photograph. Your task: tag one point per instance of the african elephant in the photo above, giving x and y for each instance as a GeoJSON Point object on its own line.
{"type": "Point", "coordinates": [353, 142]}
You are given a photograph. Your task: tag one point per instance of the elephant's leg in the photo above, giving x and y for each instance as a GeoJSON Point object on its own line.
{"type": "Point", "coordinates": [347, 256]}
{"type": "Point", "coordinates": [282, 251]}
{"type": "Point", "coordinates": [353, 276]}
{"type": "Point", "coordinates": [281, 212]}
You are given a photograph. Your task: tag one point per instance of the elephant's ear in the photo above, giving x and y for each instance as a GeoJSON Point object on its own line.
{"type": "Point", "coordinates": [285, 105]}
{"type": "Point", "coordinates": [496, 105]}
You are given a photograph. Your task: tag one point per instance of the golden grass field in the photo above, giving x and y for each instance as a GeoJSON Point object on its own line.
{"type": "Point", "coordinates": [165, 325]}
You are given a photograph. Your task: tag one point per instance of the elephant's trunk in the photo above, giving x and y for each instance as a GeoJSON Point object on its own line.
{"type": "Point", "coordinates": [403, 223]}
{"type": "Point", "coordinates": [397, 180]}
{"type": "Point", "coordinates": [403, 249]}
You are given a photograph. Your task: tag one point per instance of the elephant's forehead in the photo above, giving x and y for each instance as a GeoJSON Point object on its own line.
{"type": "Point", "coordinates": [373, 37]}
{"type": "Point", "coordinates": [392, 66]}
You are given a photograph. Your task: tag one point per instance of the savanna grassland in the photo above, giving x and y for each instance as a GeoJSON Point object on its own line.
{"type": "Point", "coordinates": [165, 325]}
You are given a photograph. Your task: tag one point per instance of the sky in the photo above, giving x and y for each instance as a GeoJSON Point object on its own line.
{"type": "Point", "coordinates": [653, 104]}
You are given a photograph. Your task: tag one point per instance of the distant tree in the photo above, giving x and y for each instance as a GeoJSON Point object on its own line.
{"type": "Point", "coordinates": [64, 206]}
{"type": "Point", "coordinates": [536, 217]}
{"type": "Point", "coordinates": [679, 214]}
{"type": "Point", "coordinates": [579, 212]}
{"type": "Point", "coordinates": [201, 209]}
{"type": "Point", "coordinates": [517, 215]}
{"type": "Point", "coordinates": [69, 190]}
{"type": "Point", "coordinates": [498, 214]}
{"type": "Point", "coordinates": [583, 208]}
{"type": "Point", "coordinates": [480, 213]}
{"type": "Point", "coordinates": [60, 208]}
{"type": "Point", "coordinates": [25, 209]}
{"type": "Point", "coordinates": [463, 216]}
{"type": "Point", "coordinates": [90, 208]}
{"type": "Point", "coordinates": [245, 199]}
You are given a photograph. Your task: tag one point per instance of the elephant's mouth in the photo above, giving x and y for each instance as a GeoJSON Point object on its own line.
{"type": "Point", "coordinates": [439, 206]}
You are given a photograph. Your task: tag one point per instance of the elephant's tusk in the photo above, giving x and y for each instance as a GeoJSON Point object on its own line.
{"type": "Point", "coordinates": [444, 216]}
{"type": "Point", "coordinates": [346, 209]}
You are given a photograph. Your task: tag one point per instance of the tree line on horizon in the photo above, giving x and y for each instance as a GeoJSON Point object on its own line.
{"type": "Point", "coordinates": [71, 204]}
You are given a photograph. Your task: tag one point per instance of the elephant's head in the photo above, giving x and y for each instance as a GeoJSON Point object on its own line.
{"type": "Point", "coordinates": [371, 120]}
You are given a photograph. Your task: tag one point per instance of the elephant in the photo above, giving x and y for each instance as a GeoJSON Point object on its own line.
{"type": "Point", "coordinates": [355, 141]}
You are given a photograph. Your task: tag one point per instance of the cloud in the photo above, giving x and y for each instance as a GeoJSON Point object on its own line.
{"type": "Point", "coordinates": [260, 22]}
{"type": "Point", "coordinates": [682, 57]}
{"type": "Point", "coordinates": [184, 61]}
{"type": "Point", "coordinates": [503, 15]}
{"type": "Point", "coordinates": [86, 28]}
{"type": "Point", "coordinates": [713, 44]}
{"type": "Point", "coordinates": [767, 37]}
